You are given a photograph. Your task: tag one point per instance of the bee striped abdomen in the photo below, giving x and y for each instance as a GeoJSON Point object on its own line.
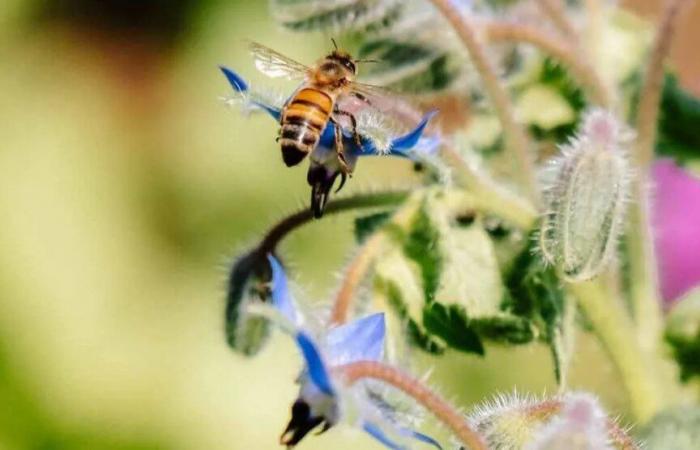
{"type": "Point", "coordinates": [303, 121]}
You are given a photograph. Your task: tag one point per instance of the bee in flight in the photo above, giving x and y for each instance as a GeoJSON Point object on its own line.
{"type": "Point", "coordinates": [315, 103]}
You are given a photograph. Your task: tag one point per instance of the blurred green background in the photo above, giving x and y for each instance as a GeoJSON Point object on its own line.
{"type": "Point", "coordinates": [126, 187]}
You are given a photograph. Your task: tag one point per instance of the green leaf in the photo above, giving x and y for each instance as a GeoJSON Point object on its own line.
{"type": "Point", "coordinates": [674, 429]}
{"type": "Point", "coordinates": [412, 68]}
{"type": "Point", "coordinates": [417, 336]}
{"type": "Point", "coordinates": [534, 293]}
{"type": "Point", "coordinates": [679, 126]}
{"type": "Point", "coordinates": [367, 225]}
{"type": "Point", "coordinates": [421, 246]}
{"type": "Point", "coordinates": [334, 15]}
{"type": "Point", "coordinates": [450, 322]}
{"type": "Point", "coordinates": [683, 334]}
{"type": "Point", "coordinates": [555, 77]}
{"type": "Point", "coordinates": [504, 328]}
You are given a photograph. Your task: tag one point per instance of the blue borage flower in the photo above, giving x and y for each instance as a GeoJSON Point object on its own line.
{"type": "Point", "coordinates": [319, 400]}
{"type": "Point", "coordinates": [325, 167]}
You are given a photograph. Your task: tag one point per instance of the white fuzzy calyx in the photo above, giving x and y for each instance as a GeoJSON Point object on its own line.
{"type": "Point", "coordinates": [582, 425]}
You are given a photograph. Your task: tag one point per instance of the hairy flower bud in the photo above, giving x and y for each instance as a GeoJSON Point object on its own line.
{"type": "Point", "coordinates": [247, 284]}
{"type": "Point", "coordinates": [582, 425]}
{"type": "Point", "coordinates": [586, 197]}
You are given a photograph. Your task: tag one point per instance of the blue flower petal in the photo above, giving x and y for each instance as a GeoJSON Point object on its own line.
{"type": "Point", "coordinates": [359, 340]}
{"type": "Point", "coordinates": [239, 85]}
{"type": "Point", "coordinates": [281, 297]}
{"type": "Point", "coordinates": [409, 140]}
{"type": "Point", "coordinates": [421, 437]}
{"type": "Point", "coordinates": [316, 369]}
{"type": "Point", "coordinates": [377, 433]}
{"type": "Point", "coordinates": [410, 145]}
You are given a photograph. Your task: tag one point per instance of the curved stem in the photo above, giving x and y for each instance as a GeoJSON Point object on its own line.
{"type": "Point", "coordinates": [556, 11]}
{"type": "Point", "coordinates": [615, 330]}
{"type": "Point", "coordinates": [644, 290]}
{"type": "Point", "coordinates": [445, 412]}
{"type": "Point", "coordinates": [517, 142]}
{"type": "Point", "coordinates": [362, 261]}
{"type": "Point", "coordinates": [491, 197]}
{"type": "Point", "coordinates": [560, 50]}
{"type": "Point", "coordinates": [294, 221]}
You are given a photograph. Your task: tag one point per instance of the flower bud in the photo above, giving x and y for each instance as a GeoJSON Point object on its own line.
{"type": "Point", "coordinates": [582, 425]}
{"type": "Point", "coordinates": [248, 284]}
{"type": "Point", "coordinates": [586, 198]}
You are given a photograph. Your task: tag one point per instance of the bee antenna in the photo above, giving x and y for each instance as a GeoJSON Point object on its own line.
{"type": "Point", "coordinates": [367, 61]}
{"type": "Point", "coordinates": [334, 44]}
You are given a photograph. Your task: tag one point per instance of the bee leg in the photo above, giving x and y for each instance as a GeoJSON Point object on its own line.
{"type": "Point", "coordinates": [339, 148]}
{"type": "Point", "coordinates": [361, 98]}
{"type": "Point", "coordinates": [353, 121]}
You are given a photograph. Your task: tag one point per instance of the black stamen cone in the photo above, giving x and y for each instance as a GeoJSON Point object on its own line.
{"type": "Point", "coordinates": [300, 425]}
{"type": "Point", "coordinates": [321, 183]}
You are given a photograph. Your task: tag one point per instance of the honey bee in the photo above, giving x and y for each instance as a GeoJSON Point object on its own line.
{"type": "Point", "coordinates": [316, 101]}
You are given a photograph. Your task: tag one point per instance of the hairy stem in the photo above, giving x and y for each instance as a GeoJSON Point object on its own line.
{"type": "Point", "coordinates": [517, 142]}
{"type": "Point", "coordinates": [555, 10]}
{"type": "Point", "coordinates": [560, 50]}
{"type": "Point", "coordinates": [363, 259]}
{"type": "Point", "coordinates": [491, 197]}
{"type": "Point", "coordinates": [615, 330]}
{"type": "Point", "coordinates": [442, 410]}
{"type": "Point", "coordinates": [294, 221]}
{"type": "Point", "coordinates": [640, 244]}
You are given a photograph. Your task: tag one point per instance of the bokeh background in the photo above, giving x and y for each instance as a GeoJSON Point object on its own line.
{"type": "Point", "coordinates": [125, 188]}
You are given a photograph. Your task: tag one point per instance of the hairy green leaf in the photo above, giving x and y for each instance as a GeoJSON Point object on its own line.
{"type": "Point", "coordinates": [412, 68]}
{"type": "Point", "coordinates": [334, 15]}
{"type": "Point", "coordinates": [421, 246]}
{"type": "Point", "coordinates": [450, 322]}
{"type": "Point", "coordinates": [417, 336]}
{"type": "Point", "coordinates": [367, 225]}
{"type": "Point", "coordinates": [683, 334]}
{"type": "Point", "coordinates": [504, 328]}
{"type": "Point", "coordinates": [534, 293]}
{"type": "Point", "coordinates": [679, 126]}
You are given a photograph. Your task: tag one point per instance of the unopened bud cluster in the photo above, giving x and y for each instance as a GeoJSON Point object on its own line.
{"type": "Point", "coordinates": [586, 199]}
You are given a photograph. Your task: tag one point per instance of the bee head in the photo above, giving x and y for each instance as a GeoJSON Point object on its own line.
{"type": "Point", "coordinates": [344, 59]}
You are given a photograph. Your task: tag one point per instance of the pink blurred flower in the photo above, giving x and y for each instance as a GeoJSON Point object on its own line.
{"type": "Point", "coordinates": [676, 221]}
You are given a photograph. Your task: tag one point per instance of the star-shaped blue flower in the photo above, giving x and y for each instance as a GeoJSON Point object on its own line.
{"type": "Point", "coordinates": [318, 403]}
{"type": "Point", "coordinates": [325, 167]}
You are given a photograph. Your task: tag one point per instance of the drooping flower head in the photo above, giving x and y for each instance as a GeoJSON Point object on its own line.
{"type": "Point", "coordinates": [325, 166]}
{"type": "Point", "coordinates": [323, 399]}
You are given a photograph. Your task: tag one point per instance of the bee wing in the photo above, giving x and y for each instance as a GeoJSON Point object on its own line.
{"type": "Point", "coordinates": [276, 65]}
{"type": "Point", "coordinates": [380, 99]}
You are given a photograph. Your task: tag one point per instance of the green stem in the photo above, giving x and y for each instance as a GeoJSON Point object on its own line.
{"type": "Point", "coordinates": [642, 262]}
{"type": "Point", "coordinates": [517, 142]}
{"type": "Point", "coordinates": [616, 332]}
{"type": "Point", "coordinates": [295, 220]}
{"type": "Point", "coordinates": [491, 197]}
